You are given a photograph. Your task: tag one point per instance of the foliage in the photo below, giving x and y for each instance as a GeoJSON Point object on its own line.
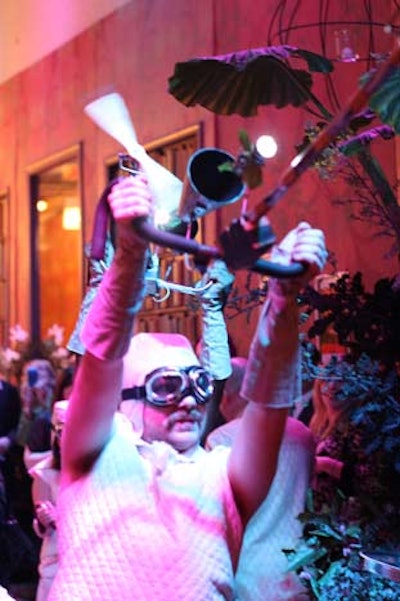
{"type": "Point", "coordinates": [245, 300]}
{"type": "Point", "coordinates": [367, 325]}
{"type": "Point", "coordinates": [328, 561]}
{"type": "Point", "coordinates": [376, 389]}
{"type": "Point", "coordinates": [364, 322]}
{"type": "Point", "coordinates": [21, 349]}
{"type": "Point", "coordinates": [248, 164]}
{"type": "Point", "coordinates": [385, 101]}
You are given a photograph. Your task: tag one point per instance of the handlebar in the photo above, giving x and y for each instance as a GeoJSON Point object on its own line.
{"type": "Point", "coordinates": [239, 249]}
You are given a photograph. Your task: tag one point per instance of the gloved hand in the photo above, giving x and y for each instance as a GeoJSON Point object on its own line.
{"type": "Point", "coordinates": [273, 370]}
{"type": "Point", "coordinates": [214, 354]}
{"type": "Point", "coordinates": [303, 244]}
{"type": "Point", "coordinates": [221, 279]}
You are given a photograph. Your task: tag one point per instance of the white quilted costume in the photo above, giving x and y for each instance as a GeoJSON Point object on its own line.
{"type": "Point", "coordinates": [174, 534]}
{"type": "Point", "coordinates": [4, 596]}
{"type": "Point", "coordinates": [49, 478]}
{"type": "Point", "coordinates": [262, 571]}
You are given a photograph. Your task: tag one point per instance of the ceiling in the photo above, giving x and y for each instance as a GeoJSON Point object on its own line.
{"type": "Point", "coordinates": [32, 29]}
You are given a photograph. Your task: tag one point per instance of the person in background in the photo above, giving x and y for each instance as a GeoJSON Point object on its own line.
{"type": "Point", "coordinates": [331, 426]}
{"type": "Point", "coordinates": [232, 405]}
{"type": "Point", "coordinates": [10, 411]}
{"type": "Point", "coordinates": [46, 480]}
{"type": "Point", "coordinates": [145, 512]}
{"type": "Point", "coordinates": [33, 438]}
{"type": "Point", "coordinates": [38, 384]}
{"type": "Point", "coordinates": [262, 568]}
{"type": "Point", "coordinates": [65, 378]}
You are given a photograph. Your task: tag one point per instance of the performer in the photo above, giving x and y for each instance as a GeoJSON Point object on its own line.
{"type": "Point", "coordinates": [145, 512]}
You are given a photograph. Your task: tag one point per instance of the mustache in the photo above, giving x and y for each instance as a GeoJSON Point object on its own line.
{"type": "Point", "coordinates": [179, 416]}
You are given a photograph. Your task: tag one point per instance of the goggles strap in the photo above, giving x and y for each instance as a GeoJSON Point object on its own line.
{"type": "Point", "coordinates": [136, 393]}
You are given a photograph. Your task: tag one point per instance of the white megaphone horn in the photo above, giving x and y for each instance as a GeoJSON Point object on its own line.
{"type": "Point", "coordinates": [111, 114]}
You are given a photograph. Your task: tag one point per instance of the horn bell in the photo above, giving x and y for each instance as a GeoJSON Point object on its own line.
{"type": "Point", "coordinates": [206, 187]}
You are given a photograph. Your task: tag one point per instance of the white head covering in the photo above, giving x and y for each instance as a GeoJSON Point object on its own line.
{"type": "Point", "coordinates": [149, 351]}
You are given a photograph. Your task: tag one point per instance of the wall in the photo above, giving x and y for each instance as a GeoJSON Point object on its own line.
{"type": "Point", "coordinates": [31, 29]}
{"type": "Point", "coordinates": [133, 50]}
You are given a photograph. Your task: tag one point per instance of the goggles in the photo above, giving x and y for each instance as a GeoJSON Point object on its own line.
{"type": "Point", "coordinates": [167, 386]}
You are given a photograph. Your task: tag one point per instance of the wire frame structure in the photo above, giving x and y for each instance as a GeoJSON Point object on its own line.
{"type": "Point", "coordinates": [357, 32]}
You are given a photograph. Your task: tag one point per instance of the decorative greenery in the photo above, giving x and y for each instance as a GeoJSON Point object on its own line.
{"type": "Point", "coordinates": [246, 299]}
{"type": "Point", "coordinates": [376, 389]}
{"type": "Point", "coordinates": [248, 164]}
{"type": "Point", "coordinates": [259, 76]}
{"type": "Point", "coordinates": [328, 561]}
{"type": "Point", "coordinates": [367, 326]}
{"type": "Point", "coordinates": [364, 322]}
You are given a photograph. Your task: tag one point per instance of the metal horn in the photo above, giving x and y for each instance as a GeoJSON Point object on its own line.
{"type": "Point", "coordinates": [206, 187]}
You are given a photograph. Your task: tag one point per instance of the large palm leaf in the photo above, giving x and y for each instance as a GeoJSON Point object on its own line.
{"type": "Point", "coordinates": [240, 82]}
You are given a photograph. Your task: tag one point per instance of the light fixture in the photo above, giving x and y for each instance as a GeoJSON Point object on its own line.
{"type": "Point", "coordinates": [71, 218]}
{"type": "Point", "coordinates": [345, 46]}
{"type": "Point", "coordinates": [42, 205]}
{"type": "Point", "coordinates": [266, 146]}
{"type": "Point", "coordinates": [71, 215]}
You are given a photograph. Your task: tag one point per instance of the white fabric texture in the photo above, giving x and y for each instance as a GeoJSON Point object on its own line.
{"type": "Point", "coordinates": [4, 596]}
{"type": "Point", "coordinates": [48, 562]}
{"type": "Point", "coordinates": [148, 524]}
{"type": "Point", "coordinates": [262, 569]}
{"type": "Point", "coordinates": [272, 376]}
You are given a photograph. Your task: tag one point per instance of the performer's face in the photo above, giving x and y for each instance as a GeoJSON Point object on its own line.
{"type": "Point", "coordinates": [180, 425]}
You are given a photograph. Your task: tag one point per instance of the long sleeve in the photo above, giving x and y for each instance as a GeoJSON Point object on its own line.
{"type": "Point", "coordinates": [273, 371]}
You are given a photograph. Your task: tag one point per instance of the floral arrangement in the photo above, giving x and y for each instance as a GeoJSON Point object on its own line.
{"type": "Point", "coordinates": [21, 349]}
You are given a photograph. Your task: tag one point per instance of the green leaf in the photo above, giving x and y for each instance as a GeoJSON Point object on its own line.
{"type": "Point", "coordinates": [386, 100]}
{"type": "Point", "coordinates": [315, 62]}
{"type": "Point", "coordinates": [226, 167]}
{"type": "Point", "coordinates": [305, 557]}
{"type": "Point", "coordinates": [335, 568]}
{"type": "Point", "coordinates": [245, 141]}
{"type": "Point", "coordinates": [327, 532]}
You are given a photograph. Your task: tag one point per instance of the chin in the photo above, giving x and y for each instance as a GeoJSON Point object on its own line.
{"type": "Point", "coordinates": [184, 440]}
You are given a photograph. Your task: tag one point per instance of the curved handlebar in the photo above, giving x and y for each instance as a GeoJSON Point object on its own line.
{"type": "Point", "coordinates": [149, 232]}
{"type": "Point", "coordinates": [202, 252]}
{"type": "Point", "coordinates": [277, 270]}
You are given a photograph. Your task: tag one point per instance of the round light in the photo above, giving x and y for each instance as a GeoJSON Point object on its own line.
{"type": "Point", "coordinates": [42, 205]}
{"type": "Point", "coordinates": [267, 146]}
